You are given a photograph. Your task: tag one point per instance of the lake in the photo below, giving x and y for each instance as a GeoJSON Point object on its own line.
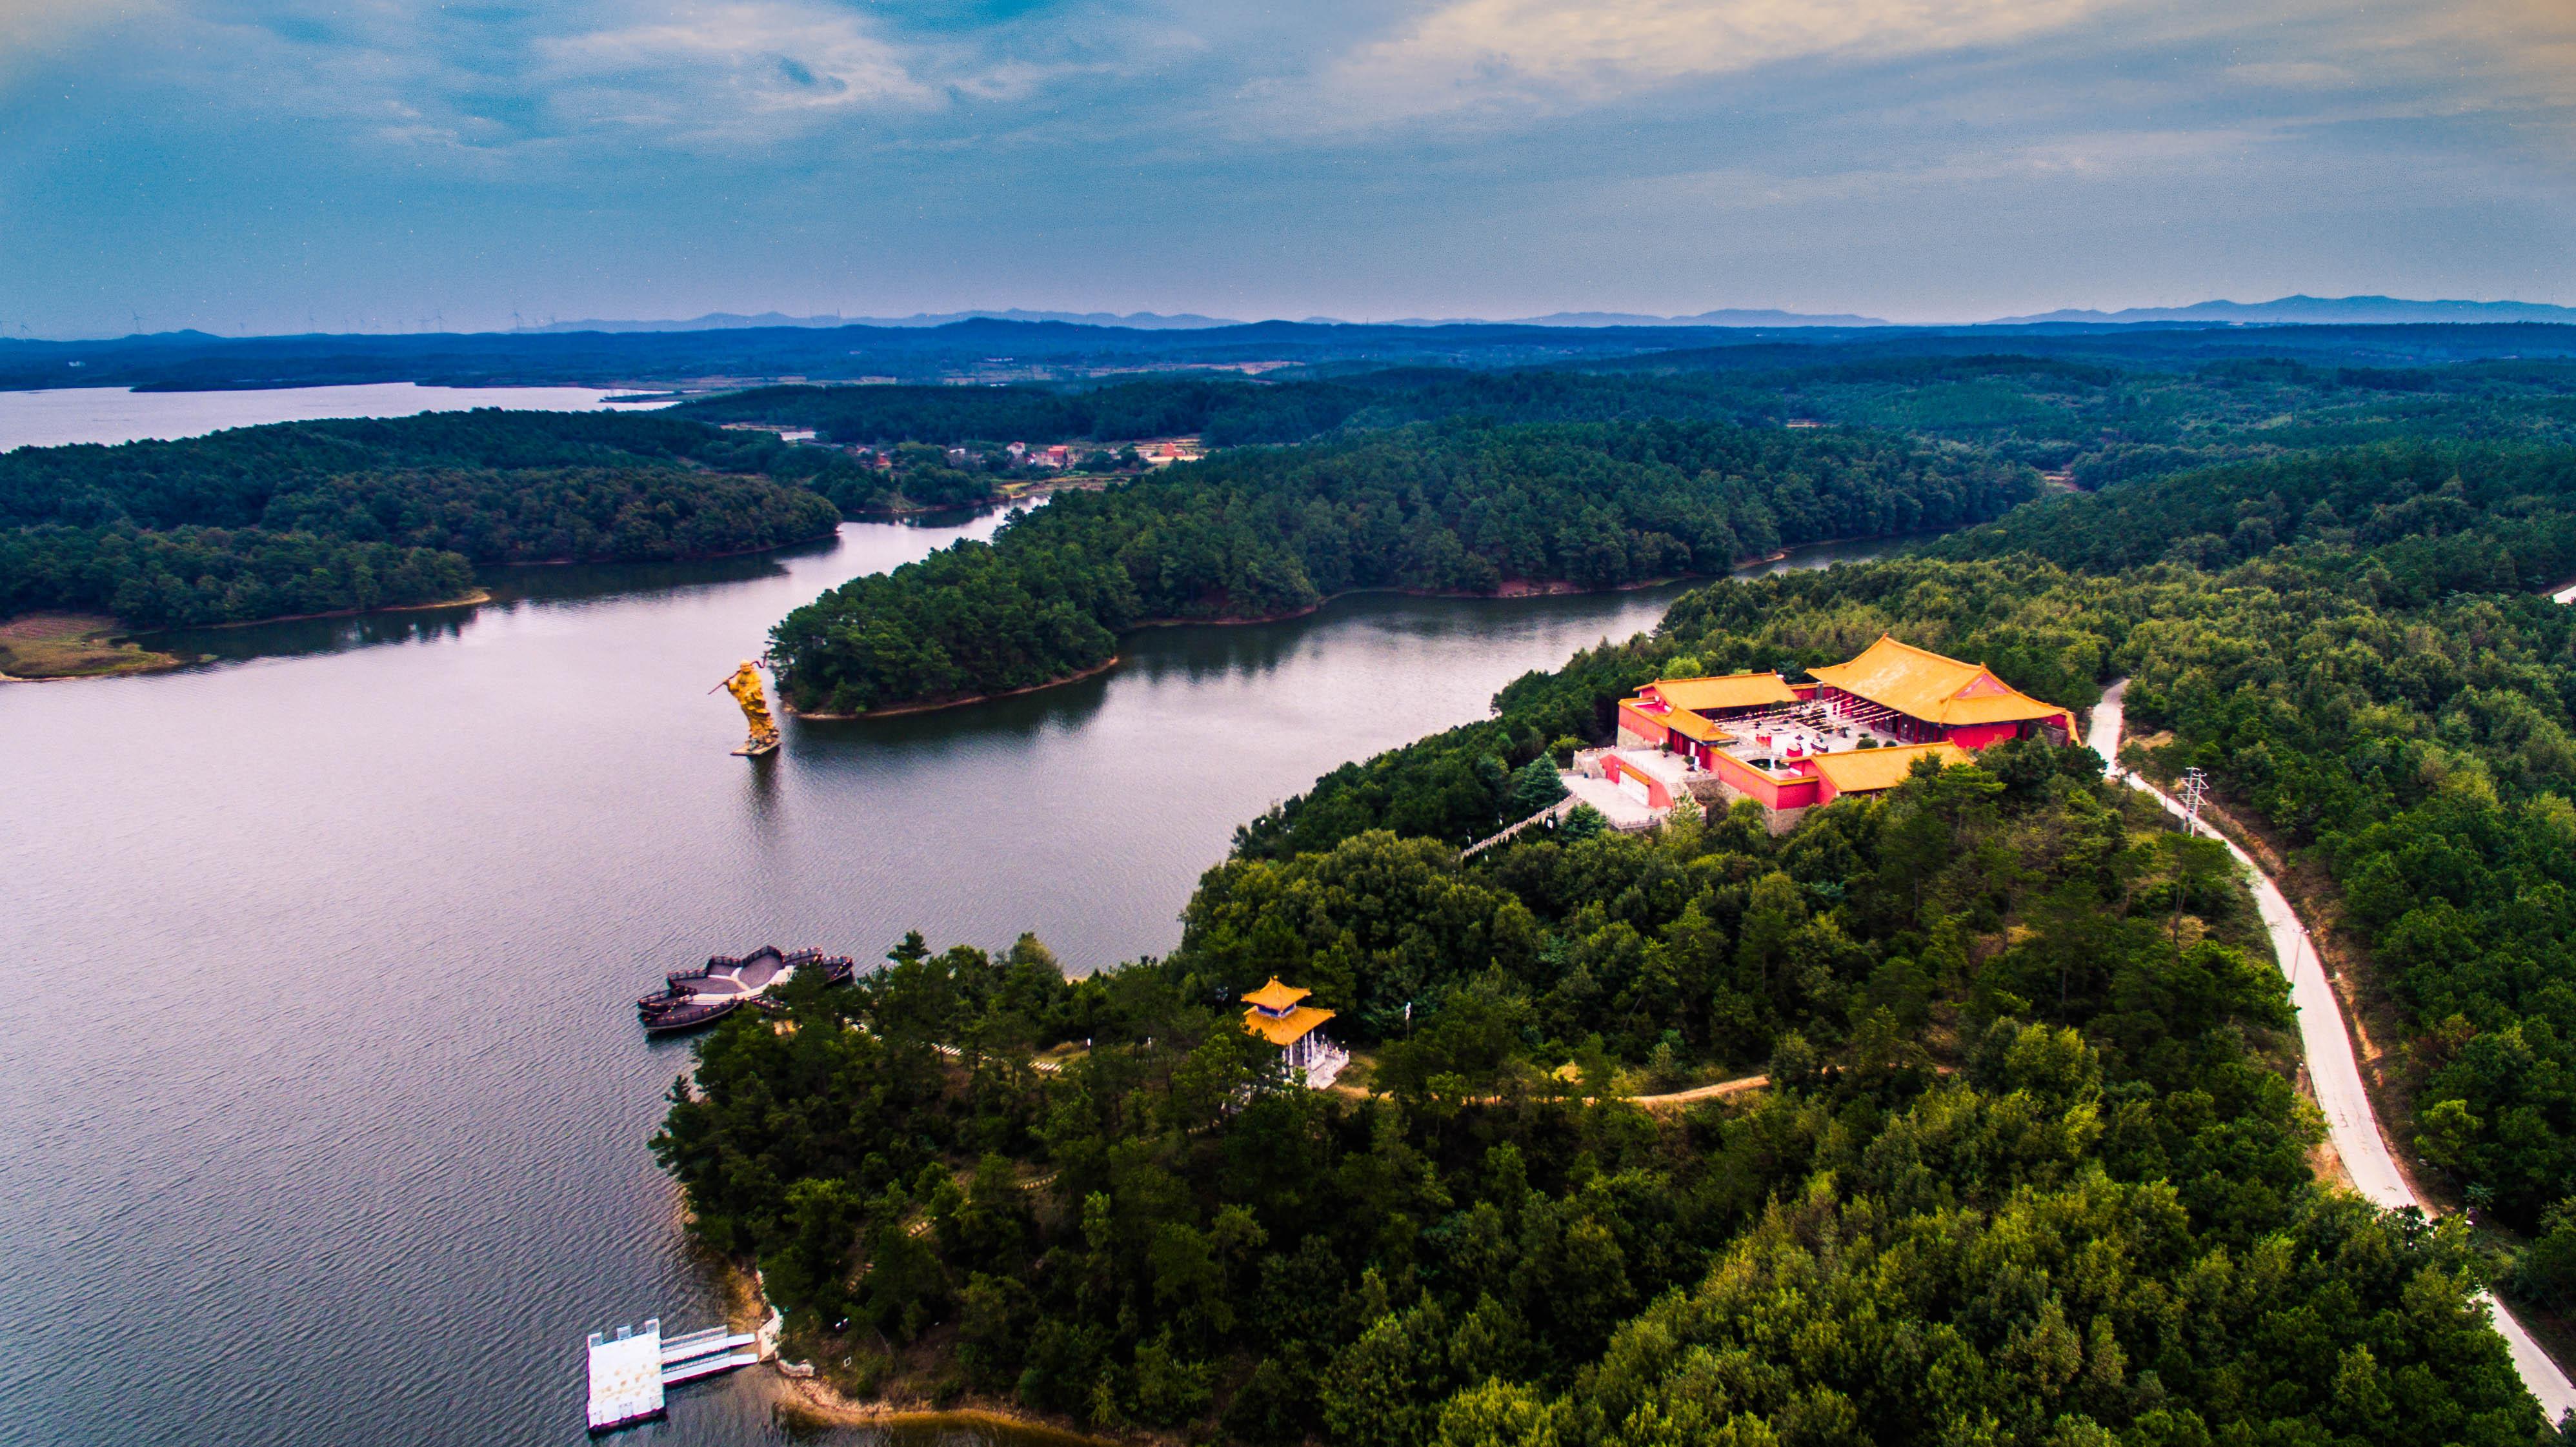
{"type": "Point", "coordinates": [116, 414]}
{"type": "Point", "coordinates": [327, 1108]}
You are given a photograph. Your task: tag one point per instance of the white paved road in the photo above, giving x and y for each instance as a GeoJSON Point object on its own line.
{"type": "Point", "coordinates": [2332, 1071]}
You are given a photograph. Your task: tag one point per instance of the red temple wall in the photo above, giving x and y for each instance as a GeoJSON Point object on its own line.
{"type": "Point", "coordinates": [1646, 729]}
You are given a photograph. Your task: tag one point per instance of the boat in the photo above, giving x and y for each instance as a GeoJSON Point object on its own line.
{"type": "Point", "coordinates": [689, 999]}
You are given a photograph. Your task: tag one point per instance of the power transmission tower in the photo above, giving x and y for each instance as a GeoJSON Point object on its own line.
{"type": "Point", "coordinates": [2195, 787]}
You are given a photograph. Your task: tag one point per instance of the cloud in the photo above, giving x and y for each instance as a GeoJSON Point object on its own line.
{"type": "Point", "coordinates": [1556, 54]}
{"type": "Point", "coordinates": [33, 30]}
{"type": "Point", "coordinates": [2290, 74]}
{"type": "Point", "coordinates": [2535, 40]}
{"type": "Point", "coordinates": [749, 69]}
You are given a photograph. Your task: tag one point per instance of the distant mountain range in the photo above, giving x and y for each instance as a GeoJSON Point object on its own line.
{"type": "Point", "coordinates": [2314, 311]}
{"type": "Point", "coordinates": [1727, 317]}
{"type": "Point", "coordinates": [2288, 310]}
{"type": "Point", "coordinates": [995, 350]}
{"type": "Point", "coordinates": [1187, 321]}
{"type": "Point", "coordinates": [730, 321]}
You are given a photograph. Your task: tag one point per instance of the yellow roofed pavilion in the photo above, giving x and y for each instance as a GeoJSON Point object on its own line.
{"type": "Point", "coordinates": [1275, 1013]}
{"type": "Point", "coordinates": [1286, 1030]}
{"type": "Point", "coordinates": [1278, 1017]}
{"type": "Point", "coordinates": [1276, 998]}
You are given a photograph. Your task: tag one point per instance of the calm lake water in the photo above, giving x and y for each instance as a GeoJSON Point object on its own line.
{"type": "Point", "coordinates": [326, 1110]}
{"type": "Point", "coordinates": [115, 414]}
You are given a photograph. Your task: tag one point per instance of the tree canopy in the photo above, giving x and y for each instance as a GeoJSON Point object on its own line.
{"type": "Point", "coordinates": [1456, 507]}
{"type": "Point", "coordinates": [312, 517]}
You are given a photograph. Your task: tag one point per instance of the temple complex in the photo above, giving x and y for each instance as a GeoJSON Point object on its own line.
{"type": "Point", "coordinates": [1278, 1013]}
{"type": "Point", "coordinates": [1857, 729]}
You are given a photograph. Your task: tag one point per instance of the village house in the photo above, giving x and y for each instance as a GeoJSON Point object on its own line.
{"type": "Point", "coordinates": [1857, 729]}
{"type": "Point", "coordinates": [1279, 1015]}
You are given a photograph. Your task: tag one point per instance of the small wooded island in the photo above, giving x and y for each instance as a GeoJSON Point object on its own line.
{"type": "Point", "coordinates": [2032, 1164]}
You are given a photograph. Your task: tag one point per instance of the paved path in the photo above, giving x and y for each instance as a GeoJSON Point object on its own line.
{"type": "Point", "coordinates": [2333, 1072]}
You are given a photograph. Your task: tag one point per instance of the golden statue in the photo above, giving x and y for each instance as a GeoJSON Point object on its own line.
{"type": "Point", "coordinates": [746, 690]}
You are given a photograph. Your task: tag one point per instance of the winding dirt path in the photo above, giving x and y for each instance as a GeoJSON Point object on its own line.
{"type": "Point", "coordinates": [2332, 1070]}
{"type": "Point", "coordinates": [1699, 1093]}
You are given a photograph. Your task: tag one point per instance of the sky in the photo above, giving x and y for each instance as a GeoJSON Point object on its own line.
{"type": "Point", "coordinates": [399, 165]}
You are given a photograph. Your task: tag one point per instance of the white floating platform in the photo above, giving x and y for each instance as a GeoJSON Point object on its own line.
{"type": "Point", "coordinates": [629, 1370]}
{"type": "Point", "coordinates": [625, 1377]}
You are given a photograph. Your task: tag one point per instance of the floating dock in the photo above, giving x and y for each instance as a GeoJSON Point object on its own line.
{"type": "Point", "coordinates": [628, 1371]}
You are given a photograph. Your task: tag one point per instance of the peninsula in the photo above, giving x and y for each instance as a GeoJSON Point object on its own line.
{"type": "Point", "coordinates": [2029, 1116]}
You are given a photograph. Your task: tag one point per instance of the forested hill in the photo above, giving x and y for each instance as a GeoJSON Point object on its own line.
{"type": "Point", "coordinates": [1454, 507]}
{"type": "Point", "coordinates": [2348, 643]}
{"type": "Point", "coordinates": [310, 517]}
{"type": "Point", "coordinates": [1224, 413]}
{"type": "Point", "coordinates": [2029, 1168]}
{"type": "Point", "coordinates": [2101, 418]}
{"type": "Point", "coordinates": [2424, 518]}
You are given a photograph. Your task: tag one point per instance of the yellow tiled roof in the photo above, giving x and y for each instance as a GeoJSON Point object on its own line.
{"type": "Point", "coordinates": [1288, 1029]}
{"type": "Point", "coordinates": [1862, 771]}
{"type": "Point", "coordinates": [1923, 684]}
{"type": "Point", "coordinates": [1689, 725]}
{"type": "Point", "coordinates": [1730, 690]}
{"type": "Point", "coordinates": [1276, 996]}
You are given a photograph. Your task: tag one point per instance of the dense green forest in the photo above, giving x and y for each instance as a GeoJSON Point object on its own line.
{"type": "Point", "coordinates": [309, 517]}
{"type": "Point", "coordinates": [1459, 506]}
{"type": "Point", "coordinates": [2102, 419]}
{"type": "Point", "coordinates": [2030, 1168]}
{"type": "Point", "coordinates": [313, 517]}
{"type": "Point", "coordinates": [2349, 644]}
{"type": "Point", "coordinates": [1224, 413]}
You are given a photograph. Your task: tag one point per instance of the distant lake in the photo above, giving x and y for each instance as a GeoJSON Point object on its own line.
{"type": "Point", "coordinates": [115, 414]}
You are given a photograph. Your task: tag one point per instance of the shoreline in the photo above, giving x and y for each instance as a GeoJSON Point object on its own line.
{"type": "Point", "coordinates": [648, 562]}
{"type": "Point", "coordinates": [1511, 588]}
{"type": "Point", "coordinates": [95, 649]}
{"type": "Point", "coordinates": [474, 599]}
{"type": "Point", "coordinates": [480, 595]}
{"type": "Point", "coordinates": [1518, 588]}
{"type": "Point", "coordinates": [935, 705]}
{"type": "Point", "coordinates": [822, 1403]}
{"type": "Point", "coordinates": [817, 1400]}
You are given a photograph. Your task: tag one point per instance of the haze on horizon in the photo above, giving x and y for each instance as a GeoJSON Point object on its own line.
{"type": "Point", "coordinates": [288, 167]}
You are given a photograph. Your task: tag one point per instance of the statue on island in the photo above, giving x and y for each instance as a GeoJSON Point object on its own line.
{"type": "Point", "coordinates": [746, 690]}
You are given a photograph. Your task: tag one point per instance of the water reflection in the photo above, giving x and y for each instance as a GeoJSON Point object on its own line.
{"type": "Point", "coordinates": [855, 549]}
{"type": "Point", "coordinates": [301, 637]}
